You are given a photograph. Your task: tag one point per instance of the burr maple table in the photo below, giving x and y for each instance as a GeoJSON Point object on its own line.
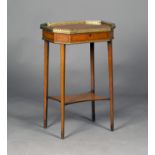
{"type": "Point", "coordinates": [73, 32]}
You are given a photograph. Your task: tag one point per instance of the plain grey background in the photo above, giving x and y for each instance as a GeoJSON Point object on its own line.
{"type": "Point", "coordinates": [25, 79]}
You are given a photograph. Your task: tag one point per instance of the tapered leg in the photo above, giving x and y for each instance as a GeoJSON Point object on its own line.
{"type": "Point", "coordinates": [62, 55]}
{"type": "Point", "coordinates": [110, 66]}
{"type": "Point", "coordinates": [46, 64]}
{"type": "Point", "coordinates": [92, 75]}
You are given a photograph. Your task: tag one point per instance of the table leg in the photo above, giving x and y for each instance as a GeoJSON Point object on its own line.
{"type": "Point", "coordinates": [110, 66]}
{"type": "Point", "coordinates": [62, 89]}
{"type": "Point", "coordinates": [92, 75]}
{"type": "Point", "coordinates": [46, 66]}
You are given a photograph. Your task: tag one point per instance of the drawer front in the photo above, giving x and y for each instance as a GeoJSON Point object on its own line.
{"type": "Point", "coordinates": [91, 37]}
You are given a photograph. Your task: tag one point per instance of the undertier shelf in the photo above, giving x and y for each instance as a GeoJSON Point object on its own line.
{"type": "Point", "coordinates": [79, 98]}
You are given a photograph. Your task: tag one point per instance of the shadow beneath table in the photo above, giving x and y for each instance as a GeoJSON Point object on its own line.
{"type": "Point", "coordinates": [124, 112]}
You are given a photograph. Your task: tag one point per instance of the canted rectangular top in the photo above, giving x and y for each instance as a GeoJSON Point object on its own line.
{"type": "Point", "coordinates": [76, 27]}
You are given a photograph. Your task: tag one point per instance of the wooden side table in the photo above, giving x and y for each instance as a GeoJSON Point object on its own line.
{"type": "Point", "coordinates": [72, 33]}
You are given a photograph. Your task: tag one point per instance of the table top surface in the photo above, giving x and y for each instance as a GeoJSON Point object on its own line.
{"type": "Point", "coordinates": [76, 27]}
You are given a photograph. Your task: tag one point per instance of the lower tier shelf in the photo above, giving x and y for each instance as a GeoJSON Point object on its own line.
{"type": "Point", "coordinates": [79, 98]}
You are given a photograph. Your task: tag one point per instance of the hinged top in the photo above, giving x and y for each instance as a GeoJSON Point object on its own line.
{"type": "Point", "coordinates": [73, 27]}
